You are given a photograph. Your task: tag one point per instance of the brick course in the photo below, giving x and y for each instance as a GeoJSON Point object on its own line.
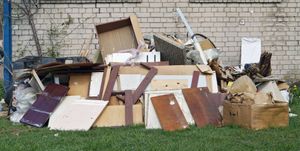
{"type": "Point", "coordinates": [225, 22]}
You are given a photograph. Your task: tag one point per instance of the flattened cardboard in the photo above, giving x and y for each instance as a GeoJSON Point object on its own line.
{"type": "Point", "coordinates": [118, 35]}
{"type": "Point", "coordinates": [79, 84]}
{"type": "Point", "coordinates": [242, 85]}
{"type": "Point", "coordinates": [76, 114]}
{"type": "Point", "coordinates": [114, 116]}
{"type": "Point", "coordinates": [169, 113]}
{"type": "Point", "coordinates": [256, 116]}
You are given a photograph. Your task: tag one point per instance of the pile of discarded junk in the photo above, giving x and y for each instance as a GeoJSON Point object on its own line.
{"type": "Point", "coordinates": [162, 82]}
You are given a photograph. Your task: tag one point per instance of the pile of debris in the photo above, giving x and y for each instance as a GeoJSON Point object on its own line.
{"type": "Point", "coordinates": [134, 81]}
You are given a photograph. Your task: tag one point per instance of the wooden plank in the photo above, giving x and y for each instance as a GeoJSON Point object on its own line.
{"type": "Point", "coordinates": [111, 83]}
{"type": "Point", "coordinates": [79, 84]}
{"type": "Point", "coordinates": [136, 28]}
{"type": "Point", "coordinates": [169, 113]}
{"type": "Point", "coordinates": [203, 110]}
{"type": "Point", "coordinates": [144, 84]}
{"type": "Point", "coordinates": [128, 107]}
{"type": "Point", "coordinates": [105, 79]}
{"type": "Point", "coordinates": [195, 79]}
{"type": "Point", "coordinates": [35, 82]}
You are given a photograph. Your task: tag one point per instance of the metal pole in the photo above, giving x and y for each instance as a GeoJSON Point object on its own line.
{"type": "Point", "coordinates": [191, 33]}
{"type": "Point", "coordinates": [7, 45]}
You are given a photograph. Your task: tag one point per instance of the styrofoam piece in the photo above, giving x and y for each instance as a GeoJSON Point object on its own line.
{"type": "Point", "coordinates": [142, 57]}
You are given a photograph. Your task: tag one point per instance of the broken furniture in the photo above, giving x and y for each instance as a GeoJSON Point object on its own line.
{"type": "Point", "coordinates": [42, 108]}
{"type": "Point", "coordinates": [118, 35]}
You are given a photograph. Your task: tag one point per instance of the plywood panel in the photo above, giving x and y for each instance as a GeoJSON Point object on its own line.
{"type": "Point", "coordinates": [203, 110]}
{"type": "Point", "coordinates": [115, 116]}
{"type": "Point", "coordinates": [151, 119]}
{"type": "Point", "coordinates": [79, 84]}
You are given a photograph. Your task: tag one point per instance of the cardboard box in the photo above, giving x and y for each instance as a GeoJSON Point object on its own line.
{"type": "Point", "coordinates": [118, 35]}
{"type": "Point", "coordinates": [114, 116]}
{"type": "Point", "coordinates": [256, 116]}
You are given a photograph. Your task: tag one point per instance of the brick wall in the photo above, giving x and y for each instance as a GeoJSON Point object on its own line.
{"type": "Point", "coordinates": [277, 24]}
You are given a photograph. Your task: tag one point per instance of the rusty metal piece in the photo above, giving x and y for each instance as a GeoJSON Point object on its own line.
{"type": "Point", "coordinates": [170, 116]}
{"type": "Point", "coordinates": [128, 108]}
{"type": "Point", "coordinates": [111, 82]}
{"type": "Point", "coordinates": [195, 79]}
{"type": "Point", "coordinates": [40, 111]}
{"type": "Point", "coordinates": [203, 110]}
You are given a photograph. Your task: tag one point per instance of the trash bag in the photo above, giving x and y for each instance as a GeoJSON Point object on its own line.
{"type": "Point", "coordinates": [25, 96]}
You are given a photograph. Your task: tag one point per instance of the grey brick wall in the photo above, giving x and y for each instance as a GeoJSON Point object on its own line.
{"type": "Point", "coordinates": [277, 24]}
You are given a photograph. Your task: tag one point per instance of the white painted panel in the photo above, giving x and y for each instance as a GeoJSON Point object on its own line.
{"type": "Point", "coordinates": [129, 81]}
{"type": "Point", "coordinates": [142, 57]}
{"type": "Point", "coordinates": [95, 84]}
{"type": "Point", "coordinates": [76, 114]}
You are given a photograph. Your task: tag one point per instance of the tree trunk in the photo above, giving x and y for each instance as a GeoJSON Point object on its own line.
{"type": "Point", "coordinates": [34, 35]}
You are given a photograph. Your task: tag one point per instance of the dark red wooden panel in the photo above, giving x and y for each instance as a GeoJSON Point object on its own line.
{"type": "Point", "coordinates": [203, 110]}
{"type": "Point", "coordinates": [169, 113]}
{"type": "Point", "coordinates": [39, 112]}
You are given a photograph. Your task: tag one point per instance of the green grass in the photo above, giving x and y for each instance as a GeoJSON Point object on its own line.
{"type": "Point", "coordinates": [19, 137]}
{"type": "Point", "coordinates": [25, 138]}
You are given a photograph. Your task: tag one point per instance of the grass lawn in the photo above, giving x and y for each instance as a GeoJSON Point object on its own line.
{"type": "Point", "coordinates": [19, 137]}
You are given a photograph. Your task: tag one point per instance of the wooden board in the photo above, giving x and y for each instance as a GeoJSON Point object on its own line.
{"type": "Point", "coordinates": [36, 83]}
{"type": "Point", "coordinates": [79, 84]}
{"type": "Point", "coordinates": [42, 108]}
{"type": "Point", "coordinates": [204, 111]}
{"type": "Point", "coordinates": [165, 73]}
{"type": "Point", "coordinates": [113, 116]}
{"type": "Point", "coordinates": [169, 113]}
{"type": "Point", "coordinates": [76, 114]}
{"type": "Point", "coordinates": [151, 119]}
{"type": "Point", "coordinates": [172, 84]}
{"type": "Point", "coordinates": [95, 84]}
